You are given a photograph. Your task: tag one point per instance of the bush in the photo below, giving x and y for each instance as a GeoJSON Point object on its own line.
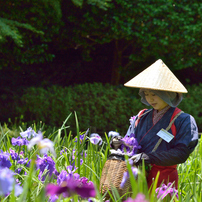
{"type": "Point", "coordinates": [99, 106]}
{"type": "Point", "coordinates": [191, 103]}
{"type": "Point", "coordinates": [105, 107]}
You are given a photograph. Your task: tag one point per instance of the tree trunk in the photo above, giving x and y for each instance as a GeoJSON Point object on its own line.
{"type": "Point", "coordinates": [117, 64]}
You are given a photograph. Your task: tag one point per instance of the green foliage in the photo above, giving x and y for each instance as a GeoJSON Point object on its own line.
{"type": "Point", "coordinates": [31, 30]}
{"type": "Point", "coordinates": [9, 28]}
{"type": "Point", "coordinates": [141, 32]}
{"type": "Point", "coordinates": [103, 4]}
{"type": "Point", "coordinates": [94, 158]}
{"type": "Point", "coordinates": [102, 106]}
{"type": "Point", "coordinates": [192, 103]}
{"type": "Point", "coordinates": [105, 107]}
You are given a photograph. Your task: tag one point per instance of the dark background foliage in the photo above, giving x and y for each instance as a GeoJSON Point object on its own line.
{"type": "Point", "coordinates": [49, 43]}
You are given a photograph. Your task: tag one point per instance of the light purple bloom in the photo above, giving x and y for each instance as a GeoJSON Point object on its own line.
{"type": "Point", "coordinates": [53, 198]}
{"type": "Point", "coordinates": [139, 198]}
{"type": "Point", "coordinates": [132, 118]}
{"type": "Point", "coordinates": [95, 139]}
{"type": "Point", "coordinates": [19, 141]}
{"type": "Point", "coordinates": [71, 187]}
{"type": "Point", "coordinates": [7, 181]}
{"type": "Point", "coordinates": [44, 145]}
{"type": "Point", "coordinates": [126, 176]}
{"type": "Point", "coordinates": [28, 133]}
{"type": "Point", "coordinates": [164, 190]}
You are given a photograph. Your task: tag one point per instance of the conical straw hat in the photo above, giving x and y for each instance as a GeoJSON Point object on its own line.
{"type": "Point", "coordinates": [157, 77]}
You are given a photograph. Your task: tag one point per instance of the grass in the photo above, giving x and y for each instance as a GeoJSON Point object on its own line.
{"type": "Point", "coordinates": [190, 172]}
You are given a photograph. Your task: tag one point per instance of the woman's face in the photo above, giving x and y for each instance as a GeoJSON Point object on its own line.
{"type": "Point", "coordinates": [155, 101]}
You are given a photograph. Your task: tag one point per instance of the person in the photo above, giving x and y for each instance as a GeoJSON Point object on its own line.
{"type": "Point", "coordinates": [167, 135]}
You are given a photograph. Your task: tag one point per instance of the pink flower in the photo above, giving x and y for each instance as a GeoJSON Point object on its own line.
{"type": "Point", "coordinates": [164, 190]}
{"type": "Point", "coordinates": [139, 198]}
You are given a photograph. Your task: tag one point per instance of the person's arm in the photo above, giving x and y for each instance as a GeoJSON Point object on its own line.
{"type": "Point", "coordinates": [174, 156]}
{"type": "Point", "coordinates": [186, 139]}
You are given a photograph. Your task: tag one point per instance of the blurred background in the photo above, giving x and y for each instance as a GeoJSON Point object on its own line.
{"type": "Point", "coordinates": [64, 56]}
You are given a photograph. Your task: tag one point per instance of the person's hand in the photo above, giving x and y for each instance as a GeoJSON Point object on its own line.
{"type": "Point", "coordinates": [116, 142]}
{"type": "Point", "coordinates": [138, 158]}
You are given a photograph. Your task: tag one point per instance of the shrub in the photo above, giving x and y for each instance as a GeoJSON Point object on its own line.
{"type": "Point", "coordinates": [105, 107]}
{"type": "Point", "coordinates": [191, 103]}
{"type": "Point", "coordinates": [99, 106]}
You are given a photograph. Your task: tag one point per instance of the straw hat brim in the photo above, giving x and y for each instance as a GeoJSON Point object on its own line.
{"type": "Point", "coordinates": [157, 77]}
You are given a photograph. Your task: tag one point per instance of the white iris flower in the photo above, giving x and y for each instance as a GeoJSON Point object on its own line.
{"type": "Point", "coordinates": [44, 145]}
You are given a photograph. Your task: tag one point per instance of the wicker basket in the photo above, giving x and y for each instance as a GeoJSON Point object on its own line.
{"type": "Point", "coordinates": [112, 175]}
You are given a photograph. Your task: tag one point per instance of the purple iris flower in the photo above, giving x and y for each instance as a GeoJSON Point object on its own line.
{"type": "Point", "coordinates": [130, 144]}
{"type": "Point", "coordinates": [65, 175]}
{"type": "Point", "coordinates": [132, 118]}
{"type": "Point", "coordinates": [165, 190]}
{"type": "Point", "coordinates": [71, 169]}
{"type": "Point", "coordinates": [7, 181]}
{"type": "Point", "coordinates": [139, 198]}
{"type": "Point", "coordinates": [82, 137]}
{"type": "Point", "coordinates": [28, 163]}
{"type": "Point", "coordinates": [95, 139]}
{"type": "Point", "coordinates": [71, 187]}
{"type": "Point", "coordinates": [63, 151]}
{"type": "Point", "coordinates": [126, 176]}
{"type": "Point", "coordinates": [22, 161]}
{"type": "Point", "coordinates": [53, 198]}
{"type": "Point", "coordinates": [19, 141]}
{"type": "Point", "coordinates": [14, 155]}
{"type": "Point", "coordinates": [73, 157]}
{"type": "Point", "coordinates": [18, 170]}
{"type": "Point", "coordinates": [45, 163]}
{"type": "Point", "coordinates": [5, 159]}
{"type": "Point", "coordinates": [28, 133]}
{"type": "Point", "coordinates": [62, 177]}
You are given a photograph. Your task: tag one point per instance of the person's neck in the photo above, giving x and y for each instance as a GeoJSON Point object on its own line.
{"type": "Point", "coordinates": [165, 108]}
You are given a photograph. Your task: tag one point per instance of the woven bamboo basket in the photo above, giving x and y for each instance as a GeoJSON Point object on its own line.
{"type": "Point", "coordinates": [112, 175]}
